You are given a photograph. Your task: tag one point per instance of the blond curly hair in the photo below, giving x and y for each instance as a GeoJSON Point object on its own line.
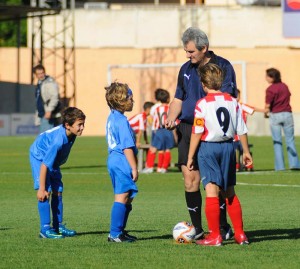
{"type": "Point", "coordinates": [118, 97]}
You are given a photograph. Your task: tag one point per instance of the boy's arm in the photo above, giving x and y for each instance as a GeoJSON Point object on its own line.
{"type": "Point", "coordinates": [251, 109]}
{"type": "Point", "coordinates": [263, 110]}
{"type": "Point", "coordinates": [195, 140]}
{"type": "Point", "coordinates": [145, 137]}
{"type": "Point", "coordinates": [267, 110]}
{"type": "Point", "coordinates": [138, 138]}
{"type": "Point", "coordinates": [132, 162]}
{"type": "Point", "coordinates": [247, 158]}
{"type": "Point", "coordinates": [42, 193]}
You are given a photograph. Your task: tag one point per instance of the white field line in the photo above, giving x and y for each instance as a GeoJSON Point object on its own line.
{"type": "Point", "coordinates": [103, 173]}
{"type": "Point", "coordinates": [64, 173]}
{"type": "Point", "coordinates": [267, 185]}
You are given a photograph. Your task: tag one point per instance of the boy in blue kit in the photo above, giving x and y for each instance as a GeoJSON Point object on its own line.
{"type": "Point", "coordinates": [217, 119]}
{"type": "Point", "coordinates": [121, 162]}
{"type": "Point", "coordinates": [48, 152]}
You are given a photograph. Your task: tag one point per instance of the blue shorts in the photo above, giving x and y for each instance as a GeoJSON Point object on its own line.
{"type": "Point", "coordinates": [120, 174]}
{"type": "Point", "coordinates": [53, 178]}
{"type": "Point", "coordinates": [217, 163]}
{"type": "Point", "coordinates": [163, 139]}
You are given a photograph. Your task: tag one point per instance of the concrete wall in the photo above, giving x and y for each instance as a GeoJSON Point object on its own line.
{"type": "Point", "coordinates": [16, 98]}
{"type": "Point", "coordinates": [162, 26]}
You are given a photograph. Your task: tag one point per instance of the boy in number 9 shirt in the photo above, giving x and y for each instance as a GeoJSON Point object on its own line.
{"type": "Point", "coordinates": [217, 119]}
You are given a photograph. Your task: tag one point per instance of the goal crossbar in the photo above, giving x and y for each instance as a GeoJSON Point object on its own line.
{"type": "Point", "coordinates": [110, 67]}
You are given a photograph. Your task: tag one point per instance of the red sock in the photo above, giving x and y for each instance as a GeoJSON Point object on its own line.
{"type": "Point", "coordinates": [160, 159]}
{"type": "Point", "coordinates": [150, 159]}
{"type": "Point", "coordinates": [234, 210]}
{"type": "Point", "coordinates": [212, 211]}
{"type": "Point", "coordinates": [167, 159]}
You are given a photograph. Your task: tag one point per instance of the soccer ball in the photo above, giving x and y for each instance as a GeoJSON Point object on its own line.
{"type": "Point", "coordinates": [184, 232]}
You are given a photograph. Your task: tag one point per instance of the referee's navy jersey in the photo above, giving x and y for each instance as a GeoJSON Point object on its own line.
{"type": "Point", "coordinates": [190, 90]}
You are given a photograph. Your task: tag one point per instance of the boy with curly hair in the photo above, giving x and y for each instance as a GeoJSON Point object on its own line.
{"type": "Point", "coordinates": [121, 162]}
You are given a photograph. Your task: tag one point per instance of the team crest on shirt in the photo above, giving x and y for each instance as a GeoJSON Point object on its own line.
{"type": "Point", "coordinates": [199, 122]}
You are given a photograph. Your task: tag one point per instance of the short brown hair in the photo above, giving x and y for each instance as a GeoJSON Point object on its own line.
{"type": "Point", "coordinates": [211, 76]}
{"type": "Point", "coordinates": [71, 114]}
{"type": "Point", "coordinates": [38, 67]}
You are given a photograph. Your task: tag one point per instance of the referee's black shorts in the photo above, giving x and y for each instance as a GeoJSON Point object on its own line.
{"type": "Point", "coordinates": [184, 131]}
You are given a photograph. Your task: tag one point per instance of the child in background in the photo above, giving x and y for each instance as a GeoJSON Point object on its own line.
{"type": "Point", "coordinates": [48, 152]}
{"type": "Point", "coordinates": [217, 119]}
{"type": "Point", "coordinates": [162, 139]}
{"type": "Point", "coordinates": [245, 109]}
{"type": "Point", "coordinates": [152, 157]}
{"type": "Point", "coordinates": [121, 162]}
{"type": "Point", "coordinates": [138, 123]}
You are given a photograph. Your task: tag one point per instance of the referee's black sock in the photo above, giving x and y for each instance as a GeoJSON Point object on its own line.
{"type": "Point", "coordinates": [194, 204]}
{"type": "Point", "coordinates": [223, 215]}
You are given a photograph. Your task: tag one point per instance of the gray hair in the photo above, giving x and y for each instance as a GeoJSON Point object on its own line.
{"type": "Point", "coordinates": [197, 36]}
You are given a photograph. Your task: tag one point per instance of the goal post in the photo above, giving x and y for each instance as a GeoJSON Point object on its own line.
{"type": "Point", "coordinates": [239, 66]}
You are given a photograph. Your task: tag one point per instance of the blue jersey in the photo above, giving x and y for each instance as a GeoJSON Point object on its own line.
{"type": "Point", "coordinates": [189, 88]}
{"type": "Point", "coordinates": [119, 134]}
{"type": "Point", "coordinates": [52, 147]}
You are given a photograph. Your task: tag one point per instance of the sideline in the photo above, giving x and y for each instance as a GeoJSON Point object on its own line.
{"type": "Point", "coordinates": [156, 174]}
{"type": "Point", "coordinates": [267, 185]}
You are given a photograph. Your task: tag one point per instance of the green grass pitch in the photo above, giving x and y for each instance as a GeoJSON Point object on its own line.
{"type": "Point", "coordinates": [270, 201]}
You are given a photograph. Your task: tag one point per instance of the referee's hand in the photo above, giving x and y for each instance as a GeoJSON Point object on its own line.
{"type": "Point", "coordinates": [170, 124]}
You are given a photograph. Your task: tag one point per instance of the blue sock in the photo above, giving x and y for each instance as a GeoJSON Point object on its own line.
{"type": "Point", "coordinates": [118, 213]}
{"type": "Point", "coordinates": [44, 212]}
{"type": "Point", "coordinates": [128, 209]}
{"type": "Point", "coordinates": [57, 210]}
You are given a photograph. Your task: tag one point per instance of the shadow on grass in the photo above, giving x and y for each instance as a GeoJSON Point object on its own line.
{"type": "Point", "coordinates": [134, 232]}
{"type": "Point", "coordinates": [274, 234]}
{"type": "Point", "coordinates": [164, 237]}
{"type": "Point", "coordinates": [92, 232]}
{"type": "Point", "coordinates": [263, 170]}
{"type": "Point", "coordinates": [255, 171]}
{"type": "Point", "coordinates": [5, 229]}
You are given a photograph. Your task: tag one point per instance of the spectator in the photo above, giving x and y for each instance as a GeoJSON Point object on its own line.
{"type": "Point", "coordinates": [281, 118]}
{"type": "Point", "coordinates": [48, 105]}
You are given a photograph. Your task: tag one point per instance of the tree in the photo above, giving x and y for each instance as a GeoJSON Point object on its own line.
{"type": "Point", "coordinates": [9, 28]}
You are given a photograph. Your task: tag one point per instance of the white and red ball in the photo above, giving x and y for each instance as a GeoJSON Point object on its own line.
{"type": "Point", "coordinates": [184, 232]}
